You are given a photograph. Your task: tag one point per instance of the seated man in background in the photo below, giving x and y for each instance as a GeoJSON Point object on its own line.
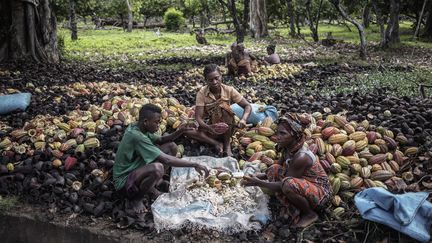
{"type": "Point", "coordinates": [142, 156]}
{"type": "Point", "coordinates": [272, 57]}
{"type": "Point", "coordinates": [229, 60]}
{"type": "Point", "coordinates": [246, 62]}
{"type": "Point", "coordinates": [213, 101]}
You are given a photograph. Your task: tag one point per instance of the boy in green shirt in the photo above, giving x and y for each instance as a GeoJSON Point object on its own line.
{"type": "Point", "coordinates": [141, 156]}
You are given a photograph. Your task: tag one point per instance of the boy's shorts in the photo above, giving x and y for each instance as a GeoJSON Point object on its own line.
{"type": "Point", "coordinates": [130, 188]}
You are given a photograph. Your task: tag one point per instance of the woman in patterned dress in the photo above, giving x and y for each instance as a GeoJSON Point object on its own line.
{"type": "Point", "coordinates": [298, 180]}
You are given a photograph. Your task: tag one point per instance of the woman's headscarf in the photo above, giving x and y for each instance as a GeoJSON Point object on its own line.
{"type": "Point", "coordinates": [296, 123]}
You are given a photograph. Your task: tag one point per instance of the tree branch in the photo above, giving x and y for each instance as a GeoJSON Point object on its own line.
{"type": "Point", "coordinates": [360, 28]}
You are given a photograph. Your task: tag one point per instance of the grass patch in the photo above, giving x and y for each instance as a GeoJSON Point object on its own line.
{"type": "Point", "coordinates": [341, 32]}
{"type": "Point", "coordinates": [400, 83]}
{"type": "Point", "coordinates": [115, 41]}
{"type": "Point", "coordinates": [116, 48]}
{"type": "Point", "coordinates": [7, 203]}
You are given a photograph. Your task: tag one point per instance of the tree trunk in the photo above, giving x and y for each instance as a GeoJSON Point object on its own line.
{"type": "Point", "coordinates": [204, 20]}
{"type": "Point", "coordinates": [297, 23]}
{"type": "Point", "coordinates": [392, 31]}
{"type": "Point", "coordinates": [245, 22]}
{"type": "Point", "coordinates": [291, 11]}
{"type": "Point", "coordinates": [145, 22]}
{"type": "Point", "coordinates": [193, 21]}
{"type": "Point", "coordinates": [258, 18]}
{"type": "Point", "coordinates": [130, 19]}
{"type": "Point", "coordinates": [380, 22]}
{"type": "Point", "coordinates": [28, 32]}
{"type": "Point", "coordinates": [420, 20]}
{"type": "Point", "coordinates": [428, 28]}
{"type": "Point", "coordinates": [230, 5]}
{"type": "Point", "coordinates": [207, 15]}
{"type": "Point", "coordinates": [311, 21]}
{"type": "Point", "coordinates": [72, 19]}
{"type": "Point", "coordinates": [366, 15]}
{"type": "Point", "coordinates": [318, 16]}
{"type": "Point", "coordinates": [225, 16]}
{"type": "Point", "coordinates": [201, 20]}
{"type": "Point", "coordinates": [360, 28]}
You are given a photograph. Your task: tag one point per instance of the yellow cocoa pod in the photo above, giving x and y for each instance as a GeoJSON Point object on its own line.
{"type": "Point", "coordinates": [343, 161]}
{"type": "Point", "coordinates": [271, 154]}
{"type": "Point", "coordinates": [253, 145]}
{"type": "Point", "coordinates": [336, 184]}
{"type": "Point", "coordinates": [267, 122]}
{"type": "Point", "coordinates": [176, 124]}
{"type": "Point", "coordinates": [338, 138]}
{"type": "Point", "coordinates": [411, 151]}
{"type": "Point", "coordinates": [338, 212]}
{"type": "Point", "coordinates": [265, 131]}
{"type": "Point", "coordinates": [260, 138]}
{"type": "Point", "coordinates": [357, 136]}
{"type": "Point", "coordinates": [336, 200]}
{"type": "Point", "coordinates": [269, 144]}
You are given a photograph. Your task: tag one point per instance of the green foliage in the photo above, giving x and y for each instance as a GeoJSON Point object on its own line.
{"type": "Point", "coordinates": [277, 10]}
{"type": "Point", "coordinates": [192, 7]}
{"type": "Point", "coordinates": [153, 8]}
{"type": "Point", "coordinates": [113, 8]}
{"type": "Point", "coordinates": [173, 19]}
{"type": "Point", "coordinates": [60, 8]}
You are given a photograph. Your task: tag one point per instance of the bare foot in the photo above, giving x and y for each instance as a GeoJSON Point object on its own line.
{"type": "Point", "coordinates": [306, 220]}
{"type": "Point", "coordinates": [163, 185]}
{"type": "Point", "coordinates": [219, 149]}
{"type": "Point", "coordinates": [137, 206]}
{"type": "Point", "coordinates": [154, 193]}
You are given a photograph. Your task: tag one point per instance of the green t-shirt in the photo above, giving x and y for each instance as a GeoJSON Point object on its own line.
{"type": "Point", "coordinates": [135, 150]}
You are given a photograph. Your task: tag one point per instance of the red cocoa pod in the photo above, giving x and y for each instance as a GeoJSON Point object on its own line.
{"type": "Point", "coordinates": [69, 162]}
{"type": "Point", "coordinates": [220, 127]}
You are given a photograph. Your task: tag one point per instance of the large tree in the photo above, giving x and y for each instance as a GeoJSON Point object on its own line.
{"type": "Point", "coordinates": [28, 31]}
{"type": "Point", "coordinates": [72, 20]}
{"type": "Point", "coordinates": [380, 22]}
{"type": "Point", "coordinates": [258, 18]}
{"type": "Point", "coordinates": [130, 18]}
{"type": "Point", "coordinates": [392, 31]}
{"type": "Point", "coordinates": [314, 31]}
{"type": "Point", "coordinates": [239, 27]}
{"type": "Point", "coordinates": [291, 12]}
{"type": "Point", "coordinates": [366, 15]}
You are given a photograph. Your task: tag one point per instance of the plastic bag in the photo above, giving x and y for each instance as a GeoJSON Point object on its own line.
{"type": "Point", "coordinates": [409, 213]}
{"type": "Point", "coordinates": [181, 208]}
{"type": "Point", "coordinates": [14, 102]}
{"type": "Point", "coordinates": [258, 114]}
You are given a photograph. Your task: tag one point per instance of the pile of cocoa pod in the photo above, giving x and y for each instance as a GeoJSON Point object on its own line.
{"type": "Point", "coordinates": [66, 160]}
{"type": "Point", "coordinates": [262, 74]}
{"type": "Point", "coordinates": [256, 145]}
{"type": "Point", "coordinates": [356, 155]}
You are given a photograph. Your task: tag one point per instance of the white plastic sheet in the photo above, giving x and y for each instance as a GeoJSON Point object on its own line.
{"type": "Point", "coordinates": [181, 208]}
